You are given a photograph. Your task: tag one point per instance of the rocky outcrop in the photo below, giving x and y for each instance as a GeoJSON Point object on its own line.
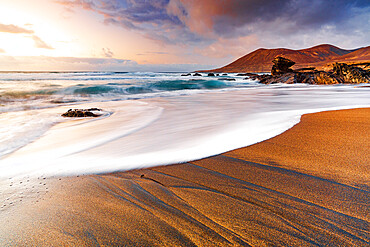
{"type": "Point", "coordinates": [340, 73]}
{"type": "Point", "coordinates": [351, 74]}
{"type": "Point", "coordinates": [82, 113]}
{"type": "Point", "coordinates": [197, 74]}
{"type": "Point", "coordinates": [320, 78]}
{"type": "Point", "coordinates": [211, 74]}
{"type": "Point", "coordinates": [281, 66]}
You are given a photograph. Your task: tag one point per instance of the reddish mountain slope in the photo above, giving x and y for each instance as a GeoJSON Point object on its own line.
{"type": "Point", "coordinates": [260, 60]}
{"type": "Point", "coordinates": [362, 54]}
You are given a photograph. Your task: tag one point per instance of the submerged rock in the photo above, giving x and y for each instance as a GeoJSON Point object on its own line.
{"type": "Point", "coordinates": [197, 74]}
{"type": "Point", "coordinates": [188, 74]}
{"type": "Point", "coordinates": [250, 75]}
{"type": "Point", "coordinates": [226, 79]}
{"type": "Point", "coordinates": [82, 113]}
{"type": "Point", "coordinates": [256, 76]}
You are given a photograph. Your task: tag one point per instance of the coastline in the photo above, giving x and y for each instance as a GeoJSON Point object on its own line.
{"type": "Point", "coordinates": [307, 186]}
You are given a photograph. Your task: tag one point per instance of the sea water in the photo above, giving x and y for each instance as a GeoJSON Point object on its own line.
{"type": "Point", "coordinates": [148, 119]}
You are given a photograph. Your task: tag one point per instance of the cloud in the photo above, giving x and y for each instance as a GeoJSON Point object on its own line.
{"type": "Point", "coordinates": [152, 52]}
{"type": "Point", "coordinates": [14, 29]}
{"type": "Point", "coordinates": [39, 43]}
{"type": "Point", "coordinates": [107, 52]}
{"type": "Point", "coordinates": [221, 17]}
{"type": "Point", "coordinates": [234, 17]}
{"type": "Point", "coordinates": [151, 18]}
{"type": "Point", "coordinates": [203, 24]}
{"type": "Point", "coordinates": [70, 4]}
{"type": "Point", "coordinates": [45, 63]}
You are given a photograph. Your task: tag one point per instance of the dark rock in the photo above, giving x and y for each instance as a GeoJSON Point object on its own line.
{"type": "Point", "coordinates": [242, 74]}
{"type": "Point", "coordinates": [224, 74]}
{"type": "Point", "coordinates": [188, 74]}
{"type": "Point", "coordinates": [351, 74]}
{"type": "Point", "coordinates": [81, 113]}
{"type": "Point", "coordinates": [319, 77]}
{"type": "Point", "coordinates": [287, 78]}
{"type": "Point", "coordinates": [309, 69]}
{"type": "Point", "coordinates": [197, 74]}
{"type": "Point", "coordinates": [281, 66]}
{"type": "Point", "coordinates": [211, 74]}
{"type": "Point", "coordinates": [94, 109]}
{"type": "Point", "coordinates": [226, 79]}
{"type": "Point", "coordinates": [363, 65]}
{"type": "Point", "coordinates": [322, 77]}
{"type": "Point", "coordinates": [251, 75]}
{"type": "Point", "coordinates": [256, 76]}
{"type": "Point", "coordinates": [217, 74]}
{"type": "Point", "coordinates": [341, 73]}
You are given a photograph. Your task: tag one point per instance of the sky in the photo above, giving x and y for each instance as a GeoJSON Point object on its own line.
{"type": "Point", "coordinates": [168, 35]}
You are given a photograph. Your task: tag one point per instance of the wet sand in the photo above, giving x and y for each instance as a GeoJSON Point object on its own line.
{"type": "Point", "coordinates": [309, 186]}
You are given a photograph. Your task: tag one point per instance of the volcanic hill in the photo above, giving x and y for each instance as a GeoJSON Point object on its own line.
{"type": "Point", "coordinates": [317, 56]}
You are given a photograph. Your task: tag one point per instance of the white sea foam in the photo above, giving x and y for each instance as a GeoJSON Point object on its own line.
{"type": "Point", "coordinates": [171, 129]}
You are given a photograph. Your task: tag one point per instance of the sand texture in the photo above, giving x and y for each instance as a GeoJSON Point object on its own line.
{"type": "Point", "coordinates": [309, 186]}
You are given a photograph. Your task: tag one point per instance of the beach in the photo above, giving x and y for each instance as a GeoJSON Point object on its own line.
{"type": "Point", "coordinates": [184, 123]}
{"type": "Point", "coordinates": [308, 186]}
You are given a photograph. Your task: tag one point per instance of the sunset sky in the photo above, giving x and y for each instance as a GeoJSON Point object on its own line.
{"type": "Point", "coordinates": [168, 35]}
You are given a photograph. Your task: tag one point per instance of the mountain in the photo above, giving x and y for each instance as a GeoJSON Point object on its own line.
{"type": "Point", "coordinates": [362, 54]}
{"type": "Point", "coordinates": [317, 56]}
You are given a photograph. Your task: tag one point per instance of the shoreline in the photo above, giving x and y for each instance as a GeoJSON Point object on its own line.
{"type": "Point", "coordinates": [147, 136]}
{"type": "Point", "coordinates": [293, 189]}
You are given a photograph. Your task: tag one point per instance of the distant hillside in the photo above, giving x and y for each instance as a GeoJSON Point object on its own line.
{"type": "Point", "coordinates": [362, 54]}
{"type": "Point", "coordinates": [317, 56]}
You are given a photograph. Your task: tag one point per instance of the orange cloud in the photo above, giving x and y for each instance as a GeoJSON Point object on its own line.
{"type": "Point", "coordinates": [14, 29]}
{"type": "Point", "coordinates": [199, 16]}
{"type": "Point", "coordinates": [107, 52]}
{"type": "Point", "coordinates": [39, 43]}
{"type": "Point", "coordinates": [78, 3]}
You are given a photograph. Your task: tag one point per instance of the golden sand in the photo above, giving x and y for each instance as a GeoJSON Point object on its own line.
{"type": "Point", "coordinates": [309, 186]}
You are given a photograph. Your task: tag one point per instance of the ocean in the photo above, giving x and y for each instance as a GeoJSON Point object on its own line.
{"type": "Point", "coordinates": [148, 119]}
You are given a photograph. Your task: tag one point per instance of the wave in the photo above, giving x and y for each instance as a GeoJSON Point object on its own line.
{"type": "Point", "coordinates": [161, 131]}
{"type": "Point", "coordinates": [125, 87]}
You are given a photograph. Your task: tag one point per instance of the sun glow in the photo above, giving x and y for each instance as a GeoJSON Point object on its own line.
{"type": "Point", "coordinates": [42, 36]}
